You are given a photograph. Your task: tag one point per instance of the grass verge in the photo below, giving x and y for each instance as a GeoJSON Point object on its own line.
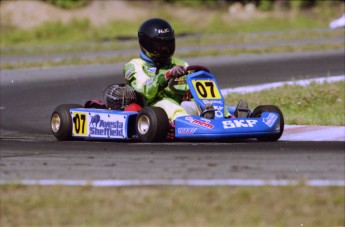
{"type": "Point", "coordinates": [171, 206]}
{"type": "Point", "coordinates": [316, 104]}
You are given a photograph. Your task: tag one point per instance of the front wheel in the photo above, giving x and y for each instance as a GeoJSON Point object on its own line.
{"type": "Point", "coordinates": [270, 108]}
{"type": "Point", "coordinates": [61, 121]}
{"type": "Point", "coordinates": [152, 124]}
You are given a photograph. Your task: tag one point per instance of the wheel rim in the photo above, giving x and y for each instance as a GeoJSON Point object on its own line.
{"type": "Point", "coordinates": [143, 124]}
{"type": "Point", "coordinates": [55, 123]}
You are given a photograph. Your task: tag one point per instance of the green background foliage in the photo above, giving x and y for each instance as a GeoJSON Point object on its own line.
{"type": "Point", "coordinates": [68, 4]}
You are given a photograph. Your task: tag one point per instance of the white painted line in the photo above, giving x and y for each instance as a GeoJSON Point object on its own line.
{"type": "Point", "coordinates": [261, 87]}
{"type": "Point", "coordinates": [177, 182]}
{"type": "Point", "coordinates": [313, 133]}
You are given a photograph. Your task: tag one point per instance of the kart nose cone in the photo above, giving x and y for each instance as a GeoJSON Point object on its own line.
{"type": "Point", "coordinates": [143, 124]}
{"type": "Point", "coordinates": [55, 123]}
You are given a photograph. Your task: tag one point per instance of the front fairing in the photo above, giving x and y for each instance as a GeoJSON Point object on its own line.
{"type": "Point", "coordinates": [195, 127]}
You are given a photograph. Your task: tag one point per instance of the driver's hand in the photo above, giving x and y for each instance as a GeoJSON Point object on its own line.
{"type": "Point", "coordinates": [176, 72]}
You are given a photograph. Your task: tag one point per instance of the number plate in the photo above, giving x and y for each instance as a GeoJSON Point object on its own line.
{"type": "Point", "coordinates": [80, 124]}
{"type": "Point", "coordinates": [206, 89]}
{"type": "Point", "coordinates": [99, 124]}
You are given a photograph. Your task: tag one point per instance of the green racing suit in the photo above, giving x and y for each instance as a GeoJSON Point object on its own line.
{"type": "Point", "coordinates": [151, 84]}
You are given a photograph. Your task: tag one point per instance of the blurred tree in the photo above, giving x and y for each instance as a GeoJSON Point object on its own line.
{"type": "Point", "coordinates": [264, 5]}
{"type": "Point", "coordinates": [261, 4]}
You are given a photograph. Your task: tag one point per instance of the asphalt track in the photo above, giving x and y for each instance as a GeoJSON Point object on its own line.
{"type": "Point", "coordinates": [28, 151]}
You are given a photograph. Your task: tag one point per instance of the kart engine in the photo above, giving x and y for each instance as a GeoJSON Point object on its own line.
{"type": "Point", "coordinates": [118, 96]}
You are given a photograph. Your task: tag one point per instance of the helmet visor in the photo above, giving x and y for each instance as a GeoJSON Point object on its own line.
{"type": "Point", "coordinates": [161, 49]}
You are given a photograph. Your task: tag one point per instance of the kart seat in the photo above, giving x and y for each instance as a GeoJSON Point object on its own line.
{"type": "Point", "coordinates": [97, 104]}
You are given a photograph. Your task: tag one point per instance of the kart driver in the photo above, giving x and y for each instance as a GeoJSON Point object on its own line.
{"type": "Point", "coordinates": [149, 74]}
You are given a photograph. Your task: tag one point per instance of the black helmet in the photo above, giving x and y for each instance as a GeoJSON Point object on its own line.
{"type": "Point", "coordinates": [157, 40]}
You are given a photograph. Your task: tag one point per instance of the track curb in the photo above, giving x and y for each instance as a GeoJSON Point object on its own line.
{"type": "Point", "coordinates": [313, 133]}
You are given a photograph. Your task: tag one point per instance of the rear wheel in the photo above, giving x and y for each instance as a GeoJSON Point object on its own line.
{"type": "Point", "coordinates": [270, 108]}
{"type": "Point", "coordinates": [61, 121]}
{"type": "Point", "coordinates": [152, 124]}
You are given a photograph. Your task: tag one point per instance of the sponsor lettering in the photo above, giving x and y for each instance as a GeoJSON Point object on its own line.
{"type": "Point", "coordinates": [201, 123]}
{"type": "Point", "coordinates": [106, 132]}
{"type": "Point", "coordinates": [219, 111]}
{"type": "Point", "coordinates": [186, 130]}
{"type": "Point", "coordinates": [151, 69]}
{"type": "Point", "coordinates": [270, 119]}
{"type": "Point", "coordinates": [99, 127]}
{"type": "Point", "coordinates": [162, 31]}
{"type": "Point", "coordinates": [239, 123]}
{"type": "Point", "coordinates": [220, 102]}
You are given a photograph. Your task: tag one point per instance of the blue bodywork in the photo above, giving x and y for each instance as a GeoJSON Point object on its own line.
{"type": "Point", "coordinates": [194, 127]}
{"type": "Point", "coordinates": [120, 125]}
{"type": "Point", "coordinates": [205, 89]}
{"type": "Point", "coordinates": [103, 124]}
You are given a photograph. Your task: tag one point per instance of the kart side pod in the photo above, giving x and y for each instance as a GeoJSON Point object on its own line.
{"type": "Point", "coordinates": [70, 121]}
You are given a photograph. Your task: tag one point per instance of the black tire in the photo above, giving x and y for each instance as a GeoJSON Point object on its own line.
{"type": "Point", "coordinates": [269, 108]}
{"type": "Point", "coordinates": [61, 121]}
{"type": "Point", "coordinates": [152, 124]}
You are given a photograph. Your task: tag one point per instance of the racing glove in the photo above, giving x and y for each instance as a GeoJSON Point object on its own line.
{"type": "Point", "coordinates": [175, 72]}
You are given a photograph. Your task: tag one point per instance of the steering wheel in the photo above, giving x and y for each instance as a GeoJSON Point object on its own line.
{"type": "Point", "coordinates": [195, 68]}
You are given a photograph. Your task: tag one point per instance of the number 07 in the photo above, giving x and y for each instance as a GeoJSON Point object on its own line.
{"type": "Point", "coordinates": [206, 89]}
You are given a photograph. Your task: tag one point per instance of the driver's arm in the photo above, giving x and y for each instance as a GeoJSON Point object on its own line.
{"type": "Point", "coordinates": [144, 84]}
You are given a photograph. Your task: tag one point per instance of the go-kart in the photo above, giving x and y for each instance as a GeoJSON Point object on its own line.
{"type": "Point", "coordinates": [151, 124]}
